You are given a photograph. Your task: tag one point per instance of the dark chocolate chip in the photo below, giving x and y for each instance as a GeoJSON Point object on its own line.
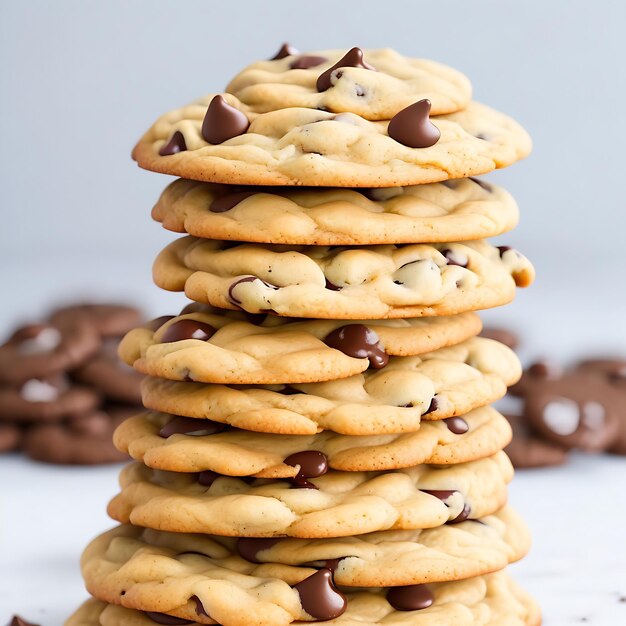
{"type": "Point", "coordinates": [312, 463]}
{"type": "Point", "coordinates": [462, 516]}
{"type": "Point", "coordinates": [18, 621]}
{"type": "Point", "coordinates": [352, 58]}
{"type": "Point", "coordinates": [246, 279]}
{"type": "Point", "coordinates": [188, 329]}
{"type": "Point", "coordinates": [200, 610]}
{"type": "Point", "coordinates": [157, 322]}
{"type": "Point", "coordinates": [332, 286]}
{"type": "Point", "coordinates": [319, 596]}
{"type": "Point", "coordinates": [454, 258]}
{"type": "Point", "coordinates": [163, 618]}
{"type": "Point", "coordinates": [208, 477]}
{"type": "Point", "coordinates": [223, 122]}
{"type": "Point", "coordinates": [443, 495]}
{"type": "Point", "coordinates": [175, 145]}
{"type": "Point", "coordinates": [457, 425]}
{"type": "Point", "coordinates": [227, 202]}
{"type": "Point", "coordinates": [433, 406]}
{"type": "Point", "coordinates": [286, 50]}
{"type": "Point", "coordinates": [412, 126]}
{"type": "Point", "coordinates": [504, 249]}
{"type": "Point", "coordinates": [358, 341]}
{"type": "Point", "coordinates": [481, 183]}
{"type": "Point", "coordinates": [333, 564]}
{"type": "Point", "coordinates": [307, 62]}
{"type": "Point", "coordinates": [410, 598]}
{"type": "Point", "coordinates": [249, 547]}
{"type": "Point", "coordinates": [189, 426]}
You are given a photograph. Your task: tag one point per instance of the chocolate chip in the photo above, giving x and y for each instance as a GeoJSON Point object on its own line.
{"type": "Point", "coordinates": [168, 620]}
{"type": "Point", "coordinates": [443, 495]}
{"type": "Point", "coordinates": [333, 564]}
{"type": "Point", "coordinates": [246, 279]}
{"type": "Point", "coordinates": [188, 329]}
{"type": "Point", "coordinates": [18, 621]}
{"type": "Point", "coordinates": [352, 58]}
{"type": "Point", "coordinates": [504, 249]}
{"type": "Point", "coordinates": [455, 258]}
{"type": "Point", "coordinates": [227, 202]}
{"type": "Point", "coordinates": [208, 477]}
{"type": "Point", "coordinates": [249, 547]}
{"type": "Point", "coordinates": [319, 596]}
{"type": "Point", "coordinates": [200, 610]}
{"type": "Point", "coordinates": [412, 126]}
{"type": "Point", "coordinates": [457, 425]}
{"type": "Point", "coordinates": [481, 183]}
{"type": "Point", "coordinates": [312, 463]}
{"type": "Point", "coordinates": [410, 598]}
{"type": "Point", "coordinates": [175, 145]}
{"type": "Point", "coordinates": [307, 62]}
{"type": "Point", "coordinates": [358, 341]}
{"type": "Point", "coordinates": [157, 322]}
{"type": "Point", "coordinates": [189, 426]}
{"type": "Point", "coordinates": [432, 407]}
{"type": "Point", "coordinates": [286, 50]}
{"type": "Point", "coordinates": [223, 121]}
{"type": "Point", "coordinates": [332, 286]}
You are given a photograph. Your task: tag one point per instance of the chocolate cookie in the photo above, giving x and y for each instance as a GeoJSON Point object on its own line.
{"type": "Point", "coordinates": [83, 440]}
{"type": "Point", "coordinates": [576, 409]}
{"type": "Point", "coordinates": [109, 320]}
{"type": "Point", "coordinates": [43, 350]}
{"type": "Point", "coordinates": [117, 381]}
{"type": "Point", "coordinates": [527, 449]}
{"type": "Point", "coordinates": [46, 400]}
{"type": "Point", "coordinates": [10, 437]}
{"type": "Point", "coordinates": [503, 335]}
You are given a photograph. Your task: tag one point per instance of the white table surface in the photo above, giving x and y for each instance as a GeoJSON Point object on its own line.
{"type": "Point", "coordinates": [576, 568]}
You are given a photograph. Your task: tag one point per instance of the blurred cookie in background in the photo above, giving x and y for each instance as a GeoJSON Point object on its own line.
{"type": "Point", "coordinates": [63, 390]}
{"type": "Point", "coordinates": [504, 335]}
{"type": "Point", "coordinates": [528, 449]}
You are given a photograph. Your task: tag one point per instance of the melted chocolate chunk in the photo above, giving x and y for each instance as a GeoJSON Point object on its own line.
{"type": "Point", "coordinates": [208, 477]}
{"type": "Point", "coordinates": [188, 329]}
{"type": "Point", "coordinates": [412, 126]}
{"type": "Point", "coordinates": [286, 50]}
{"type": "Point", "coordinates": [307, 62]}
{"type": "Point", "coordinates": [190, 426]}
{"type": "Point", "coordinates": [360, 342]}
{"type": "Point", "coordinates": [249, 547]}
{"type": "Point", "coordinates": [246, 279]}
{"type": "Point", "coordinates": [200, 610]}
{"type": "Point", "coordinates": [312, 463]}
{"type": "Point", "coordinates": [432, 407]}
{"type": "Point", "coordinates": [223, 122]}
{"type": "Point", "coordinates": [168, 620]}
{"type": "Point", "coordinates": [157, 322]}
{"type": "Point", "coordinates": [227, 202]}
{"type": "Point", "coordinates": [454, 258]}
{"type": "Point", "coordinates": [319, 596]}
{"type": "Point", "coordinates": [462, 516]}
{"type": "Point", "coordinates": [333, 564]}
{"type": "Point", "coordinates": [352, 58]}
{"type": "Point", "coordinates": [456, 425]}
{"type": "Point", "coordinates": [443, 495]}
{"type": "Point", "coordinates": [332, 286]}
{"type": "Point", "coordinates": [410, 598]}
{"type": "Point", "coordinates": [175, 145]}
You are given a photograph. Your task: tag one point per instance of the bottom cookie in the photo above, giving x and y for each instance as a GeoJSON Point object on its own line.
{"type": "Point", "coordinates": [492, 600]}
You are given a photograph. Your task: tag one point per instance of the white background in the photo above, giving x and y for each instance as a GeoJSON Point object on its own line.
{"type": "Point", "coordinates": [79, 83]}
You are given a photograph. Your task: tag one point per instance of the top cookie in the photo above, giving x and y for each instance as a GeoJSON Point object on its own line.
{"type": "Point", "coordinates": [391, 83]}
{"type": "Point", "coordinates": [220, 139]}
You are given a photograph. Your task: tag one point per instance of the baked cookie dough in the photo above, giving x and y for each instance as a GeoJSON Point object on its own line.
{"type": "Point", "coordinates": [333, 504]}
{"type": "Point", "coordinates": [181, 444]}
{"type": "Point", "coordinates": [234, 348]}
{"type": "Point", "coordinates": [395, 82]}
{"type": "Point", "coordinates": [299, 146]}
{"type": "Point", "coordinates": [344, 283]}
{"type": "Point", "coordinates": [453, 210]}
{"type": "Point", "coordinates": [491, 600]}
{"type": "Point", "coordinates": [444, 383]}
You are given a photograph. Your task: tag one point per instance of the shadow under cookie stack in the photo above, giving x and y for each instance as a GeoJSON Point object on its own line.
{"type": "Point", "coordinates": [318, 444]}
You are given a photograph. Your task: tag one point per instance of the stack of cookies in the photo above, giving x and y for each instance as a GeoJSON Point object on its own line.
{"type": "Point", "coordinates": [318, 444]}
{"type": "Point", "coordinates": [63, 389]}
